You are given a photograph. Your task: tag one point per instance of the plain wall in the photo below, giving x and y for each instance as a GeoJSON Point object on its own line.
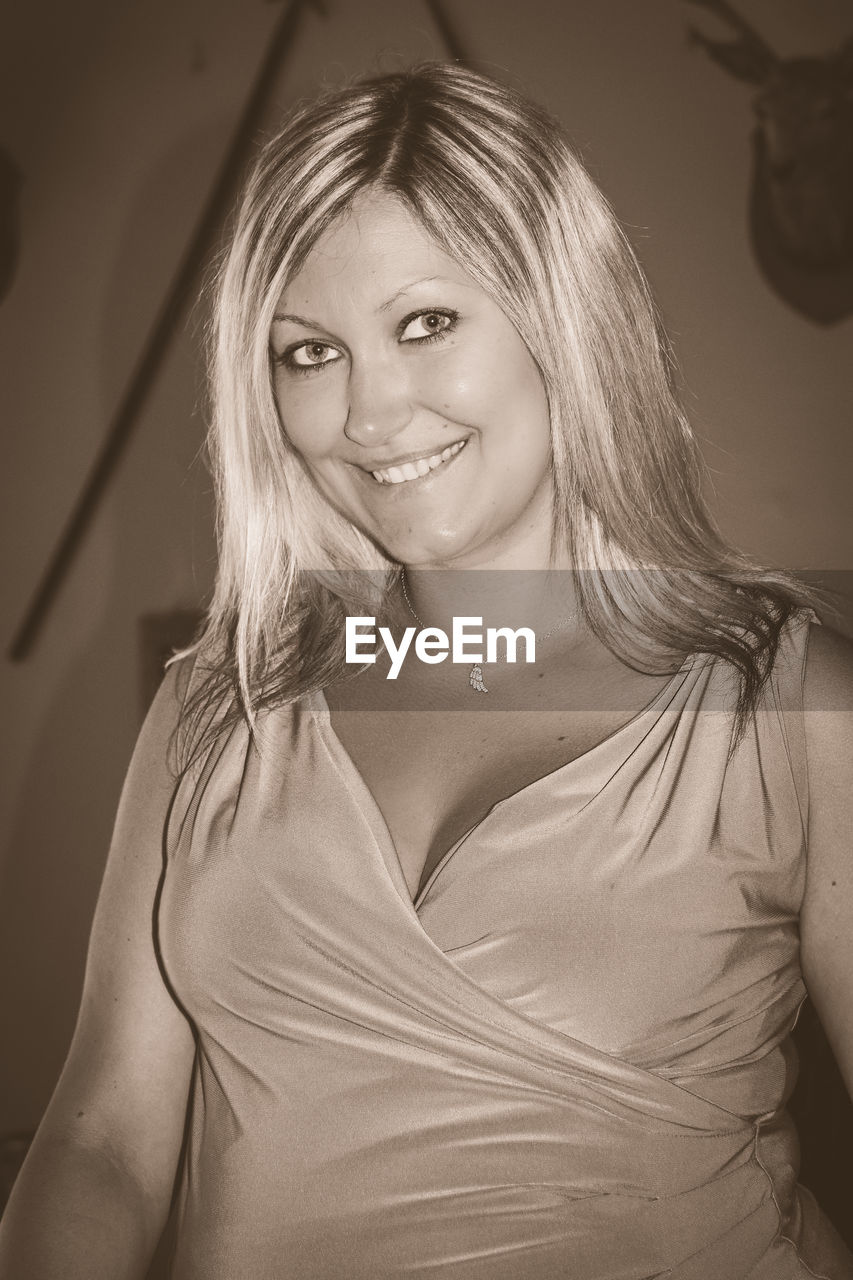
{"type": "Point", "coordinates": [118, 116]}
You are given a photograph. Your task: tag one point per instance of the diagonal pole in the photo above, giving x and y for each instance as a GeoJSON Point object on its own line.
{"type": "Point", "coordinates": [180, 291]}
{"type": "Point", "coordinates": [447, 32]}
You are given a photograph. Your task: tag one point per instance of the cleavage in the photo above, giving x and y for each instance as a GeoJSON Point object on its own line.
{"type": "Point", "coordinates": [435, 776]}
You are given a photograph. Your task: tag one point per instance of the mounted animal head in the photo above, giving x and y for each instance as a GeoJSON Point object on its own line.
{"type": "Point", "coordinates": [802, 180]}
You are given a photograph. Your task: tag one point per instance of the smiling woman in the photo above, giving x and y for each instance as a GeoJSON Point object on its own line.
{"type": "Point", "coordinates": [439, 992]}
{"type": "Point", "coordinates": [411, 361]}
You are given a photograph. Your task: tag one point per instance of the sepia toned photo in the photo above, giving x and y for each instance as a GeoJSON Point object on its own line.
{"type": "Point", "coordinates": [428, 678]}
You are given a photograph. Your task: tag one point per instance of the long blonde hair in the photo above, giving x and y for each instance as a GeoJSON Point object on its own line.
{"type": "Point", "coordinates": [493, 181]}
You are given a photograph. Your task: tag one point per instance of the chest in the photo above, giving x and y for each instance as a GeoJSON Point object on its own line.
{"type": "Point", "coordinates": [434, 774]}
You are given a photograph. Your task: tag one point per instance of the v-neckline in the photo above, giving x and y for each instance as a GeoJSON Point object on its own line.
{"type": "Point", "coordinates": [373, 812]}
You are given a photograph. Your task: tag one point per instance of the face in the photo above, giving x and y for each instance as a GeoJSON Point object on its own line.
{"type": "Point", "coordinates": [413, 402]}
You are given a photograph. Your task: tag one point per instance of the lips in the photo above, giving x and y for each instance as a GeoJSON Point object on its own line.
{"type": "Point", "coordinates": [417, 467]}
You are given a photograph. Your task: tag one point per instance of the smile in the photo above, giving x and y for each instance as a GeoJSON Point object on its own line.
{"type": "Point", "coordinates": [420, 467]}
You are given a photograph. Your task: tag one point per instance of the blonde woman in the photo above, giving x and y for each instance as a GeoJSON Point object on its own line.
{"type": "Point", "coordinates": [487, 970]}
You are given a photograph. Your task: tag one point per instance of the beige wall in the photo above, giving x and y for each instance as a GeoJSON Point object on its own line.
{"type": "Point", "coordinates": [118, 115]}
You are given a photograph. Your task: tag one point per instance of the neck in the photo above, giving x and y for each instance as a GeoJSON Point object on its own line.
{"type": "Point", "coordinates": [535, 598]}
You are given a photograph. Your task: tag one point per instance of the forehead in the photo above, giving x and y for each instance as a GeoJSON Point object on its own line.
{"type": "Point", "coordinates": [378, 248]}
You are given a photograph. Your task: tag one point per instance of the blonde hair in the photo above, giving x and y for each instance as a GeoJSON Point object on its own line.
{"type": "Point", "coordinates": [491, 178]}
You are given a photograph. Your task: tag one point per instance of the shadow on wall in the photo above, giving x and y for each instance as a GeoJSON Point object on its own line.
{"type": "Point", "coordinates": [823, 1114]}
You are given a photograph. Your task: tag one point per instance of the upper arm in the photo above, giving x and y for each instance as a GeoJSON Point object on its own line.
{"type": "Point", "coordinates": [124, 1087]}
{"type": "Point", "coordinates": [827, 913]}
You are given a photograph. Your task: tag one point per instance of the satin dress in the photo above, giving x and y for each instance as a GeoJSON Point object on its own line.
{"type": "Point", "coordinates": [568, 1058]}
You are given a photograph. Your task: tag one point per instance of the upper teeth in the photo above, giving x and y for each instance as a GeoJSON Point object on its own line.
{"type": "Point", "coordinates": [412, 470]}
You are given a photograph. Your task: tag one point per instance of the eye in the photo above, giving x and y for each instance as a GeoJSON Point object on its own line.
{"type": "Point", "coordinates": [311, 355]}
{"type": "Point", "coordinates": [426, 325]}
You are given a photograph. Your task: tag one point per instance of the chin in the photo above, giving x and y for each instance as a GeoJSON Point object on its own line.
{"type": "Point", "coordinates": [440, 550]}
{"type": "Point", "coordinates": [419, 547]}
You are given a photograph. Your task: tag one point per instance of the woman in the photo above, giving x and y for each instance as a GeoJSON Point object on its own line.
{"type": "Point", "coordinates": [501, 995]}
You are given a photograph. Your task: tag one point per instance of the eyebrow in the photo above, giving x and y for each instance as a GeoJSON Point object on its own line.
{"type": "Point", "coordinates": [288, 318]}
{"type": "Point", "coordinates": [406, 287]}
{"type": "Point", "coordinates": [282, 316]}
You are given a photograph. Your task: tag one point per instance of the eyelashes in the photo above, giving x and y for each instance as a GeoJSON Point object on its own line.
{"type": "Point", "coordinates": [312, 356]}
{"type": "Point", "coordinates": [318, 355]}
{"type": "Point", "coordinates": [448, 320]}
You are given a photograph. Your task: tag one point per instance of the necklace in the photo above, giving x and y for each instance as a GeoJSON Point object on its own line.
{"type": "Point", "coordinates": [475, 675]}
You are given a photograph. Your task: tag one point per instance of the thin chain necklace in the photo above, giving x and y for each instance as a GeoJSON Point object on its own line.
{"type": "Point", "coordinates": [475, 675]}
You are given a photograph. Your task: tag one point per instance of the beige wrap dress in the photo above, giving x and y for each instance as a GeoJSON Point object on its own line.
{"type": "Point", "coordinates": [568, 1058]}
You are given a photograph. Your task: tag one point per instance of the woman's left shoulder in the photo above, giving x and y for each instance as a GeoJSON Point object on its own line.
{"type": "Point", "coordinates": [828, 727]}
{"type": "Point", "coordinates": [828, 679]}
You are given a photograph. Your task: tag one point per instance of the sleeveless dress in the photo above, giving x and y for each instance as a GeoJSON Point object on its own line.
{"type": "Point", "coordinates": [569, 1058]}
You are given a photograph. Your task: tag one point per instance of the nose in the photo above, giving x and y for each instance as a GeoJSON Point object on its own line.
{"type": "Point", "coordinates": [379, 404]}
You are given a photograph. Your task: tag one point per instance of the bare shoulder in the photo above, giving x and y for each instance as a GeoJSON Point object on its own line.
{"type": "Point", "coordinates": [828, 719]}
{"type": "Point", "coordinates": [828, 684]}
{"type": "Point", "coordinates": [828, 722]}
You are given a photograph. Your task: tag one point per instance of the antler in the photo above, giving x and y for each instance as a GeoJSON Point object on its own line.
{"type": "Point", "coordinates": [750, 57]}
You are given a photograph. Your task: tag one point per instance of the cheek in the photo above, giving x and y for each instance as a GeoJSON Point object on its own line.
{"type": "Point", "coordinates": [482, 388]}
{"type": "Point", "coordinates": [309, 417]}
{"type": "Point", "coordinates": [507, 390]}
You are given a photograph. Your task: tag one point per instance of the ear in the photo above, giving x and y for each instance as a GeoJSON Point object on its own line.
{"type": "Point", "coordinates": [739, 57]}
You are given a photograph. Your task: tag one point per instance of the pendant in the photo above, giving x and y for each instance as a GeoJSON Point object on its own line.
{"type": "Point", "coordinates": [475, 678]}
